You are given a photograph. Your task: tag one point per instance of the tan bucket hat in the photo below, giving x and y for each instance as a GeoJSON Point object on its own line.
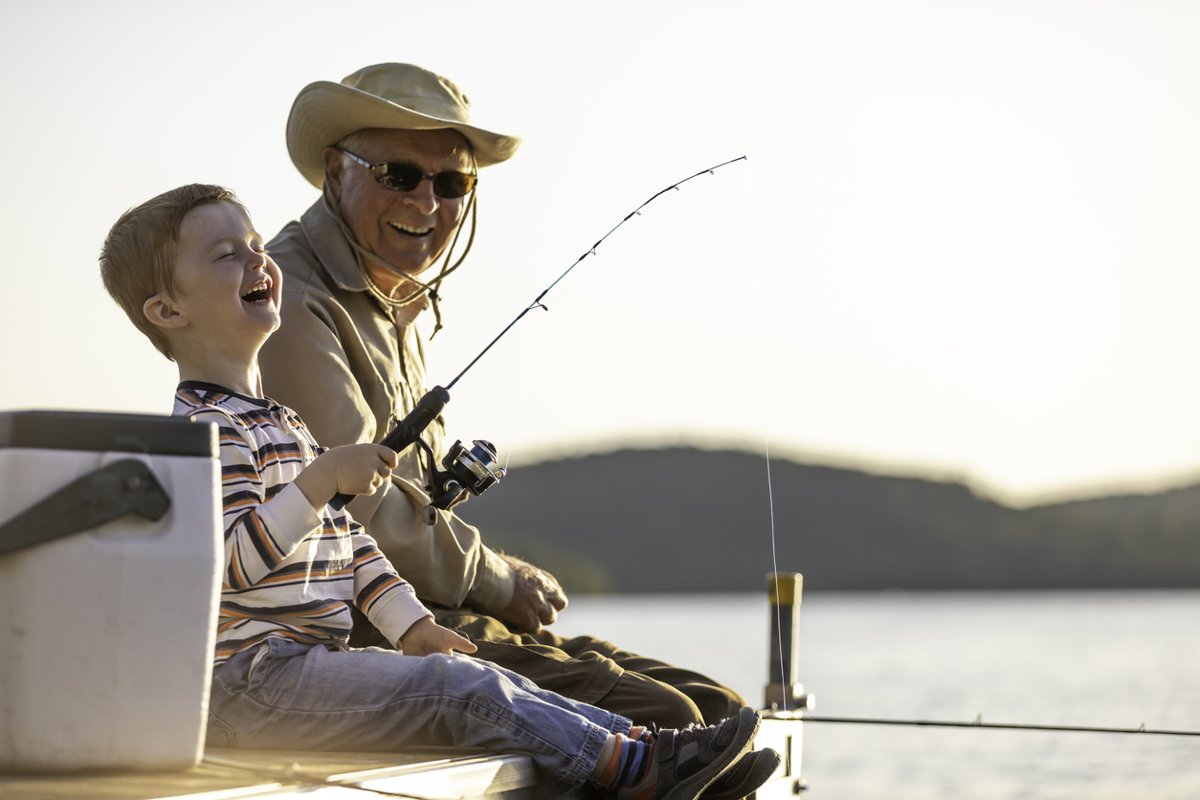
{"type": "Point", "coordinates": [401, 96]}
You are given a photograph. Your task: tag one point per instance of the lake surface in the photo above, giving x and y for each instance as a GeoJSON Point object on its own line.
{"type": "Point", "coordinates": [1109, 659]}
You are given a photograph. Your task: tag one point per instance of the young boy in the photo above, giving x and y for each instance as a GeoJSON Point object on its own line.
{"type": "Point", "coordinates": [192, 274]}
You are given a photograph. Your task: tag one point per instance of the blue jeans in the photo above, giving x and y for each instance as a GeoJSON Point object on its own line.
{"type": "Point", "coordinates": [285, 695]}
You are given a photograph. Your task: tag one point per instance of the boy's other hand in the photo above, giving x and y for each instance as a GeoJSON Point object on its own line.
{"type": "Point", "coordinates": [426, 636]}
{"type": "Point", "coordinates": [349, 469]}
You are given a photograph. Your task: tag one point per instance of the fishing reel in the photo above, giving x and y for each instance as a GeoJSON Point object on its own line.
{"type": "Point", "coordinates": [472, 469]}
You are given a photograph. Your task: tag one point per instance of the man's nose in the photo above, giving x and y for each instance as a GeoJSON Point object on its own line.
{"type": "Point", "coordinates": [422, 197]}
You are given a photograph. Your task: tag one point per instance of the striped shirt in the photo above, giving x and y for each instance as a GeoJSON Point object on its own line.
{"type": "Point", "coordinates": [289, 571]}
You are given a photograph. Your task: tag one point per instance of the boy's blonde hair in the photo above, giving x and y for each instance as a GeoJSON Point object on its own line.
{"type": "Point", "coordinates": [138, 257]}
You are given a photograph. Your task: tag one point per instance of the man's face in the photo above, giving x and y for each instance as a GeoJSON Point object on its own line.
{"type": "Point", "coordinates": [408, 230]}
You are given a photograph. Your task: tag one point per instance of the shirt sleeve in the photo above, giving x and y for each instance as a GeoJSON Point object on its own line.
{"type": "Point", "coordinates": [259, 533]}
{"type": "Point", "coordinates": [446, 561]}
{"type": "Point", "coordinates": [386, 599]}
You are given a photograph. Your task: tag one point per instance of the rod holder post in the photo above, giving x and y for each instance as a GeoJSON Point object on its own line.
{"type": "Point", "coordinates": [784, 690]}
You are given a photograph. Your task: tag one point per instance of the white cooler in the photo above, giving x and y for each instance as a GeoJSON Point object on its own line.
{"type": "Point", "coordinates": [110, 547]}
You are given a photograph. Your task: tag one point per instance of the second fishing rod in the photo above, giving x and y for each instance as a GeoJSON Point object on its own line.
{"type": "Point", "coordinates": [475, 469]}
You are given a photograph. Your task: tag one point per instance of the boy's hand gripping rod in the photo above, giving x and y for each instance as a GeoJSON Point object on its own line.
{"type": "Point", "coordinates": [475, 469]}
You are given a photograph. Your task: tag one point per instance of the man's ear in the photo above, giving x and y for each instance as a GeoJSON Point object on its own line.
{"type": "Point", "coordinates": [162, 312]}
{"type": "Point", "coordinates": [333, 170]}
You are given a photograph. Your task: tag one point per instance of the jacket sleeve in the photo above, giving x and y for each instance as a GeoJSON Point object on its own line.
{"type": "Point", "coordinates": [314, 364]}
{"type": "Point", "coordinates": [259, 533]}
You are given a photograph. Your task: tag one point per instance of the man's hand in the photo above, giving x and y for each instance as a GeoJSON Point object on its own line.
{"type": "Point", "coordinates": [537, 598]}
{"type": "Point", "coordinates": [426, 636]}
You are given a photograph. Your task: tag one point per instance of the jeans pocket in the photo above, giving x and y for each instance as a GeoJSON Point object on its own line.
{"type": "Point", "coordinates": [230, 682]}
{"type": "Point", "coordinates": [257, 669]}
{"type": "Point", "coordinates": [219, 733]}
{"type": "Point", "coordinates": [235, 675]}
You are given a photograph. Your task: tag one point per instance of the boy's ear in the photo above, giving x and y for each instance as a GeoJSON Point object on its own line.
{"type": "Point", "coordinates": [162, 312]}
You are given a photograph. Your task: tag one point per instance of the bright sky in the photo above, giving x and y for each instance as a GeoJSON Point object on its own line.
{"type": "Point", "coordinates": [964, 242]}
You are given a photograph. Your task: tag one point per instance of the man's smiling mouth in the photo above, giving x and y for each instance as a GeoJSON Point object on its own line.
{"type": "Point", "coordinates": [409, 230]}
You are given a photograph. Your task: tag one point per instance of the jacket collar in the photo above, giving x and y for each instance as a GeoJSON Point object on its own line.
{"type": "Point", "coordinates": [343, 265]}
{"type": "Point", "coordinates": [332, 249]}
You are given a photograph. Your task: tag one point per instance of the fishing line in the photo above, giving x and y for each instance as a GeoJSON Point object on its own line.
{"type": "Point", "coordinates": [1009, 726]}
{"type": "Point", "coordinates": [775, 573]}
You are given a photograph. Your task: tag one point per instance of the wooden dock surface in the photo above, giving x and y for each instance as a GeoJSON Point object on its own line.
{"type": "Point", "coordinates": [225, 774]}
{"type": "Point", "coordinates": [433, 774]}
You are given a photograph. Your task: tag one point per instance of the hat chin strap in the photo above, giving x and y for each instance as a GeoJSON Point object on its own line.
{"type": "Point", "coordinates": [429, 289]}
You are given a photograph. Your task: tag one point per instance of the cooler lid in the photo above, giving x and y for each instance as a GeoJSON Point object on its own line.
{"type": "Point", "coordinates": [154, 434]}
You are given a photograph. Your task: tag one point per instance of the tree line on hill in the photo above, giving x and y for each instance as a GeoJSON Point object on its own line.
{"type": "Point", "coordinates": [691, 520]}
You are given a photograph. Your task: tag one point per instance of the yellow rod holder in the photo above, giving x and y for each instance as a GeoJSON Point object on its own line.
{"type": "Point", "coordinates": [784, 690]}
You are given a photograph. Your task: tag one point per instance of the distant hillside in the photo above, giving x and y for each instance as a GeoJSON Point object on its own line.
{"type": "Point", "coordinates": [696, 520]}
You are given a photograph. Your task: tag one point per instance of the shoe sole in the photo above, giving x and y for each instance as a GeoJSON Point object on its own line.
{"type": "Point", "coordinates": [762, 769]}
{"type": "Point", "coordinates": [692, 786]}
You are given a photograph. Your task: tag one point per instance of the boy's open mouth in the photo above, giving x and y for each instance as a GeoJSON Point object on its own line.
{"type": "Point", "coordinates": [259, 292]}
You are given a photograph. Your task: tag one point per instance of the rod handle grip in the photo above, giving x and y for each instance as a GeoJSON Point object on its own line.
{"type": "Point", "coordinates": [407, 431]}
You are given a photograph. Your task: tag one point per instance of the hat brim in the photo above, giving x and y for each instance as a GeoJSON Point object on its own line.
{"type": "Point", "coordinates": [325, 112]}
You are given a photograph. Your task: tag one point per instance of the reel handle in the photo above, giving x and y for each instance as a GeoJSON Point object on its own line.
{"type": "Point", "coordinates": [407, 431]}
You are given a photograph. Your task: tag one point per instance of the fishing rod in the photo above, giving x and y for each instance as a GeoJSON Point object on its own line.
{"type": "Point", "coordinates": [1009, 726]}
{"type": "Point", "coordinates": [475, 469]}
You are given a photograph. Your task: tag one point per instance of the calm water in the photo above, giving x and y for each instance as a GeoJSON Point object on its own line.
{"type": "Point", "coordinates": [1115, 659]}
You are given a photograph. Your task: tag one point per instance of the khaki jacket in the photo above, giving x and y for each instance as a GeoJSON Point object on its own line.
{"type": "Point", "coordinates": [351, 368]}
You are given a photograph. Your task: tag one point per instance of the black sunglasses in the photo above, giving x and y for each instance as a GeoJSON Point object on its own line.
{"type": "Point", "coordinates": [404, 176]}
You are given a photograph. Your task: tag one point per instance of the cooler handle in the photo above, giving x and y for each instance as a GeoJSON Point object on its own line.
{"type": "Point", "coordinates": [122, 487]}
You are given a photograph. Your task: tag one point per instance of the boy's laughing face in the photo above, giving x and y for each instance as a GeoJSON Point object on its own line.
{"type": "Point", "coordinates": [227, 287]}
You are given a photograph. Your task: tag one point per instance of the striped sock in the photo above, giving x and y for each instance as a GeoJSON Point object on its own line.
{"type": "Point", "coordinates": [641, 733]}
{"type": "Point", "coordinates": [634, 758]}
{"type": "Point", "coordinates": [608, 767]}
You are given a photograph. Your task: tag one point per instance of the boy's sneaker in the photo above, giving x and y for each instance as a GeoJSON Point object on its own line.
{"type": "Point", "coordinates": [750, 772]}
{"type": "Point", "coordinates": [684, 762]}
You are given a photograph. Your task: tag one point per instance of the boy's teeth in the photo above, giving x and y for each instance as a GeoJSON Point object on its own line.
{"type": "Point", "coordinates": [259, 291]}
{"type": "Point", "coordinates": [261, 286]}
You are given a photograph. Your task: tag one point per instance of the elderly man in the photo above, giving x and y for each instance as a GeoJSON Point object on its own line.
{"type": "Point", "coordinates": [392, 150]}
